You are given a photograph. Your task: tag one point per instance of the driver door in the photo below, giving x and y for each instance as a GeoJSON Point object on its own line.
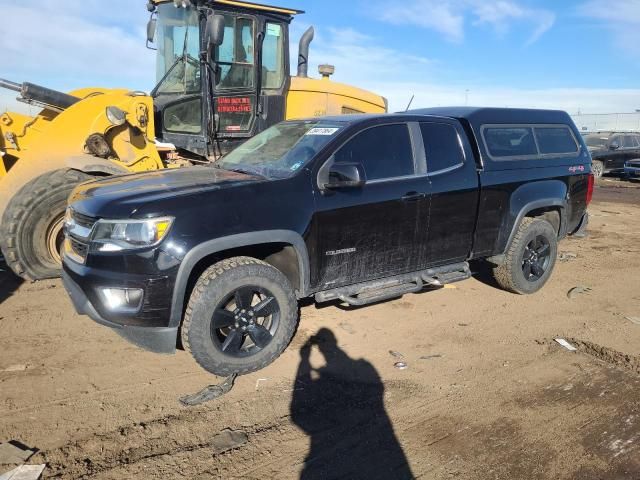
{"type": "Point", "coordinates": [379, 229]}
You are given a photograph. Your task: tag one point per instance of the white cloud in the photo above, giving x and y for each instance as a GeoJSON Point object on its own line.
{"type": "Point", "coordinates": [621, 18]}
{"type": "Point", "coordinates": [363, 61]}
{"type": "Point", "coordinates": [76, 43]}
{"type": "Point", "coordinates": [448, 17]}
{"type": "Point", "coordinates": [573, 100]}
{"type": "Point", "coordinates": [92, 42]}
{"type": "Point", "coordinates": [356, 55]}
{"type": "Point", "coordinates": [432, 14]}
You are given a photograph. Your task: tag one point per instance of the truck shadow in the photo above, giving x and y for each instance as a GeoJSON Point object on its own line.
{"type": "Point", "coordinates": [483, 272]}
{"type": "Point", "coordinates": [9, 282]}
{"type": "Point", "coordinates": [340, 406]}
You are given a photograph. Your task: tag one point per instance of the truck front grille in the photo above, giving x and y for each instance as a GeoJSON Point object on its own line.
{"type": "Point", "coordinates": [78, 231]}
{"type": "Point", "coordinates": [83, 220]}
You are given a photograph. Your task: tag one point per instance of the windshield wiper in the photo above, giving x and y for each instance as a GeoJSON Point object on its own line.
{"type": "Point", "coordinates": [246, 171]}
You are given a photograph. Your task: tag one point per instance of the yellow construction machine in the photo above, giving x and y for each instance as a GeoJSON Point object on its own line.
{"type": "Point", "coordinates": [223, 76]}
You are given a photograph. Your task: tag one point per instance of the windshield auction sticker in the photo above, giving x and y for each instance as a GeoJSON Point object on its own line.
{"type": "Point", "coordinates": [322, 131]}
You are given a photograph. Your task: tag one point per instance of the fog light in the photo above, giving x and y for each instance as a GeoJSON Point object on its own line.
{"type": "Point", "coordinates": [122, 300]}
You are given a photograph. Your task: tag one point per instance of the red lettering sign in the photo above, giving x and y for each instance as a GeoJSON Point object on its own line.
{"type": "Point", "coordinates": [234, 105]}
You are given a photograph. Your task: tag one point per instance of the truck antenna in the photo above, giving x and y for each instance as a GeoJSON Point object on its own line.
{"type": "Point", "coordinates": [410, 102]}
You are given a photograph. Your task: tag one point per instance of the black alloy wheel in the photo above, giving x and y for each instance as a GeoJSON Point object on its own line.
{"type": "Point", "coordinates": [536, 258]}
{"type": "Point", "coordinates": [530, 258]}
{"type": "Point", "coordinates": [245, 322]}
{"type": "Point", "coordinates": [242, 314]}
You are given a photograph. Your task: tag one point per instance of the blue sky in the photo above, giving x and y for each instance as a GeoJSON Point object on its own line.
{"type": "Point", "coordinates": [575, 55]}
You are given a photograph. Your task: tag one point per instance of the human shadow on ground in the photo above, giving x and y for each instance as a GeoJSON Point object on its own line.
{"type": "Point", "coordinates": [9, 282]}
{"type": "Point", "coordinates": [340, 406]}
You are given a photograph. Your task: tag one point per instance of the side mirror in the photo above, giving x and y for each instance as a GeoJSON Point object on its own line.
{"type": "Point", "coordinates": [346, 175]}
{"type": "Point", "coordinates": [214, 30]}
{"type": "Point", "coordinates": [151, 29]}
{"type": "Point", "coordinates": [614, 146]}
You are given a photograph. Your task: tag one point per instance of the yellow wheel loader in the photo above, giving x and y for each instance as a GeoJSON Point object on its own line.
{"type": "Point", "coordinates": [223, 76]}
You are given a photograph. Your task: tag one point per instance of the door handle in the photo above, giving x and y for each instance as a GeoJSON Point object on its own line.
{"type": "Point", "coordinates": [412, 196]}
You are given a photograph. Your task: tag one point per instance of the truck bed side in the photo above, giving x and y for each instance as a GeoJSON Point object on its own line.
{"type": "Point", "coordinates": [554, 187]}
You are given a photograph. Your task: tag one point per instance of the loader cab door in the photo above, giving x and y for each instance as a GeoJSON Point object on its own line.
{"type": "Point", "coordinates": [236, 77]}
{"type": "Point", "coordinates": [211, 108]}
{"type": "Point", "coordinates": [251, 75]}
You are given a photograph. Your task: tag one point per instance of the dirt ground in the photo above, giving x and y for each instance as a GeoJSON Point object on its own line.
{"type": "Point", "coordinates": [487, 393]}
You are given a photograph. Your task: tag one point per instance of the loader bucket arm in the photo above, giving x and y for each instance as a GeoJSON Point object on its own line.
{"type": "Point", "coordinates": [42, 96]}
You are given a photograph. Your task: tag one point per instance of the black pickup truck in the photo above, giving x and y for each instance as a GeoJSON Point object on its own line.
{"type": "Point", "coordinates": [354, 208]}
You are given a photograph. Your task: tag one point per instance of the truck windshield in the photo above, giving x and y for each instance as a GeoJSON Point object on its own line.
{"type": "Point", "coordinates": [178, 37]}
{"type": "Point", "coordinates": [282, 150]}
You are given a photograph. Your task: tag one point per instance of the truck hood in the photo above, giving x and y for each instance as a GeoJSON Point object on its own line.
{"type": "Point", "coordinates": [120, 196]}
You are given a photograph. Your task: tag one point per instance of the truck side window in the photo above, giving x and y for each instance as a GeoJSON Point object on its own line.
{"type": "Point", "coordinates": [442, 146]}
{"type": "Point", "coordinates": [384, 151]}
{"type": "Point", "coordinates": [615, 142]}
{"type": "Point", "coordinates": [510, 141]}
{"type": "Point", "coordinates": [628, 142]}
{"type": "Point", "coordinates": [556, 140]}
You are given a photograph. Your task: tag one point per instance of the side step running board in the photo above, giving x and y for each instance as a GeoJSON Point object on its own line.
{"type": "Point", "coordinates": [447, 274]}
{"type": "Point", "coordinates": [394, 287]}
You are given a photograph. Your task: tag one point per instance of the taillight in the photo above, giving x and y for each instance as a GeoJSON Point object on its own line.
{"type": "Point", "coordinates": [590, 188]}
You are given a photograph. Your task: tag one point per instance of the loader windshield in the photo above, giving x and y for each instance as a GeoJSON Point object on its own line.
{"type": "Point", "coordinates": [178, 67]}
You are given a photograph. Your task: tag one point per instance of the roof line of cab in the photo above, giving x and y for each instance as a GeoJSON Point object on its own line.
{"type": "Point", "coordinates": [474, 115]}
{"type": "Point", "coordinates": [242, 4]}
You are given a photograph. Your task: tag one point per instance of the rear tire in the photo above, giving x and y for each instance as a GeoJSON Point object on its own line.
{"type": "Point", "coordinates": [31, 231]}
{"type": "Point", "coordinates": [597, 168]}
{"type": "Point", "coordinates": [530, 259]}
{"type": "Point", "coordinates": [241, 316]}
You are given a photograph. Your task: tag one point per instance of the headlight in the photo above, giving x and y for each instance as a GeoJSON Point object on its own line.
{"type": "Point", "coordinates": [116, 116]}
{"type": "Point", "coordinates": [119, 235]}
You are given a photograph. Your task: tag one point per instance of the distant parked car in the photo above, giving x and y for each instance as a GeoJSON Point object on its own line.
{"type": "Point", "coordinates": [611, 150]}
{"type": "Point", "coordinates": [632, 169]}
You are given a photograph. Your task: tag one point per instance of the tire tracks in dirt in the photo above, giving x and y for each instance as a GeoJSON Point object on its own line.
{"type": "Point", "coordinates": [442, 433]}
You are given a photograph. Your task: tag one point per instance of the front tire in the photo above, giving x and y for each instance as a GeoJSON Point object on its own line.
{"type": "Point", "coordinates": [530, 259]}
{"type": "Point", "coordinates": [241, 316]}
{"type": "Point", "coordinates": [31, 233]}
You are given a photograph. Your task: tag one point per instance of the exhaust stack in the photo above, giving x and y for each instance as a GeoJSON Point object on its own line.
{"type": "Point", "coordinates": [303, 52]}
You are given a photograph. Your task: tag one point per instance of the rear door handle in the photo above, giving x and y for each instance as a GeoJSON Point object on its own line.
{"type": "Point", "coordinates": [412, 196]}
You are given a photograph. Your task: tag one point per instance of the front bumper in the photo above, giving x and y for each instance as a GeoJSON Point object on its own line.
{"type": "Point", "coordinates": [632, 170]}
{"type": "Point", "coordinates": [156, 339]}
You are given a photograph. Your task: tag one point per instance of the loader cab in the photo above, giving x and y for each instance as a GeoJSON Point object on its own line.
{"type": "Point", "coordinates": [214, 93]}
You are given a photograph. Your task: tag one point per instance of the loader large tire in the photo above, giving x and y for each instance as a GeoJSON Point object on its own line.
{"type": "Point", "coordinates": [31, 230]}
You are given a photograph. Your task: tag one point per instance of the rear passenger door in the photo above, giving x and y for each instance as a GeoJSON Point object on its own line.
{"type": "Point", "coordinates": [376, 230]}
{"type": "Point", "coordinates": [454, 193]}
